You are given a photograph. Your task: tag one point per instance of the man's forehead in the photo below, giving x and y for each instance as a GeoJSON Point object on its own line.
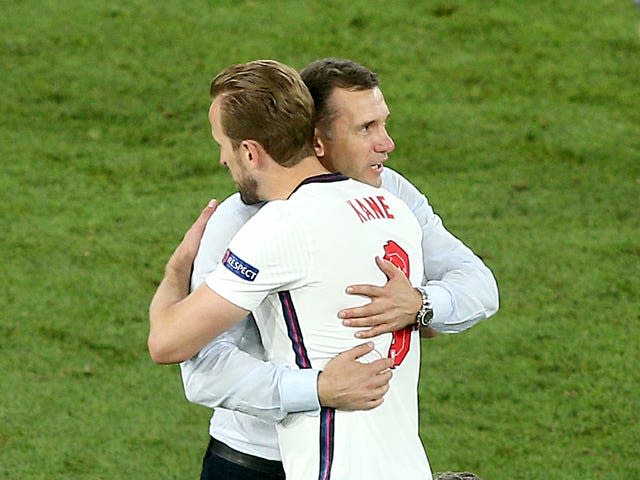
{"type": "Point", "coordinates": [358, 102]}
{"type": "Point", "coordinates": [215, 105]}
{"type": "Point", "coordinates": [214, 116]}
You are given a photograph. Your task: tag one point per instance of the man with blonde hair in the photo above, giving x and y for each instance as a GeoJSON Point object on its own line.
{"type": "Point", "coordinates": [285, 267]}
{"type": "Point", "coordinates": [251, 397]}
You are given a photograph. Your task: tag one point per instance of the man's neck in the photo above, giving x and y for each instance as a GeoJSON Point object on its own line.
{"type": "Point", "coordinates": [282, 181]}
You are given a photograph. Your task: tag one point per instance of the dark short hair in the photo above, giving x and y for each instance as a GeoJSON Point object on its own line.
{"type": "Point", "coordinates": [268, 102]}
{"type": "Point", "coordinates": [323, 76]}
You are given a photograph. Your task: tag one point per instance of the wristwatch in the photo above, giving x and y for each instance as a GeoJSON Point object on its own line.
{"type": "Point", "coordinates": [425, 315]}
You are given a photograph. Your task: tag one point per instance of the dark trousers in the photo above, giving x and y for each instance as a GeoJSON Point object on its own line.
{"type": "Point", "coordinates": [222, 462]}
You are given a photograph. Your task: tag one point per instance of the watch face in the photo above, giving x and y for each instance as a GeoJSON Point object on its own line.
{"type": "Point", "coordinates": [426, 316]}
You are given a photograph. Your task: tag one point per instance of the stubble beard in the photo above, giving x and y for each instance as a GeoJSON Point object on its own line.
{"type": "Point", "coordinates": [248, 190]}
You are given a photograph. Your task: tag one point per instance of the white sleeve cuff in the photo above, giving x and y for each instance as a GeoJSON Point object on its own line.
{"type": "Point", "coordinates": [441, 302]}
{"type": "Point", "coordinates": [299, 390]}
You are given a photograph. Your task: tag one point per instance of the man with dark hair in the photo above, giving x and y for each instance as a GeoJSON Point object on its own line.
{"type": "Point", "coordinates": [231, 374]}
{"type": "Point", "coordinates": [284, 267]}
{"type": "Point", "coordinates": [324, 76]}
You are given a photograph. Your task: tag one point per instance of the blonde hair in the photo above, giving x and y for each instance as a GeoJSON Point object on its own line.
{"type": "Point", "coordinates": [268, 102]}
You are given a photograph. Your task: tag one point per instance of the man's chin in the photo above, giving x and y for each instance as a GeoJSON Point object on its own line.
{"type": "Point", "coordinates": [371, 177]}
{"type": "Point", "coordinates": [374, 179]}
{"type": "Point", "coordinates": [249, 200]}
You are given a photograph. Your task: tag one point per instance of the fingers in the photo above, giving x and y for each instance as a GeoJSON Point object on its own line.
{"type": "Point", "coordinates": [364, 290]}
{"type": "Point", "coordinates": [364, 313]}
{"type": "Point", "coordinates": [382, 368]}
{"type": "Point", "coordinates": [357, 352]}
{"type": "Point", "coordinates": [379, 383]}
{"type": "Point", "coordinates": [199, 225]}
{"type": "Point", "coordinates": [388, 268]}
{"type": "Point", "coordinates": [375, 331]}
{"type": "Point", "coordinates": [371, 404]}
{"type": "Point", "coordinates": [211, 206]}
{"type": "Point", "coordinates": [206, 213]}
{"type": "Point", "coordinates": [185, 252]}
{"type": "Point", "coordinates": [376, 307]}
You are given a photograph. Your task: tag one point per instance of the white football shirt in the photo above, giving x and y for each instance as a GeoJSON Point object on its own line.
{"type": "Point", "coordinates": [290, 265]}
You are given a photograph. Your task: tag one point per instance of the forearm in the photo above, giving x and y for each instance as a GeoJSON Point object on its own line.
{"type": "Point", "coordinates": [165, 336]}
{"type": "Point", "coordinates": [264, 391]}
{"type": "Point", "coordinates": [180, 329]}
{"type": "Point", "coordinates": [463, 291]}
{"type": "Point", "coordinates": [231, 372]}
{"type": "Point", "coordinates": [271, 392]}
{"type": "Point", "coordinates": [167, 310]}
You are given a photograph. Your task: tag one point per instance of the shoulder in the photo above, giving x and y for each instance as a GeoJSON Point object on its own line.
{"type": "Point", "coordinates": [273, 222]}
{"type": "Point", "coordinates": [389, 176]}
{"type": "Point", "coordinates": [397, 183]}
{"type": "Point", "coordinates": [273, 210]}
{"type": "Point", "coordinates": [234, 208]}
{"type": "Point", "coordinates": [228, 218]}
{"type": "Point", "coordinates": [221, 228]}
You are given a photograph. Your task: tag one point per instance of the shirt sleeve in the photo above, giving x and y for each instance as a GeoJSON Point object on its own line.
{"type": "Point", "coordinates": [462, 288]}
{"type": "Point", "coordinates": [270, 253]}
{"type": "Point", "coordinates": [224, 375]}
{"type": "Point", "coordinates": [231, 372]}
{"type": "Point", "coordinates": [226, 221]}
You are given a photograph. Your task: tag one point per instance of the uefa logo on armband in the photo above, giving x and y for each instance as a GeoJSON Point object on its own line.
{"type": "Point", "coordinates": [239, 267]}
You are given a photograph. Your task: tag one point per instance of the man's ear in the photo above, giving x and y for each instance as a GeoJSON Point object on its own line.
{"type": "Point", "coordinates": [252, 152]}
{"type": "Point", "coordinates": [318, 143]}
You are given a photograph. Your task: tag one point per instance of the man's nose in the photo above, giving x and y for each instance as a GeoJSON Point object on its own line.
{"type": "Point", "coordinates": [385, 145]}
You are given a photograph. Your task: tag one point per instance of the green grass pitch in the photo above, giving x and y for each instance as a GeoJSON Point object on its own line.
{"type": "Point", "coordinates": [519, 120]}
